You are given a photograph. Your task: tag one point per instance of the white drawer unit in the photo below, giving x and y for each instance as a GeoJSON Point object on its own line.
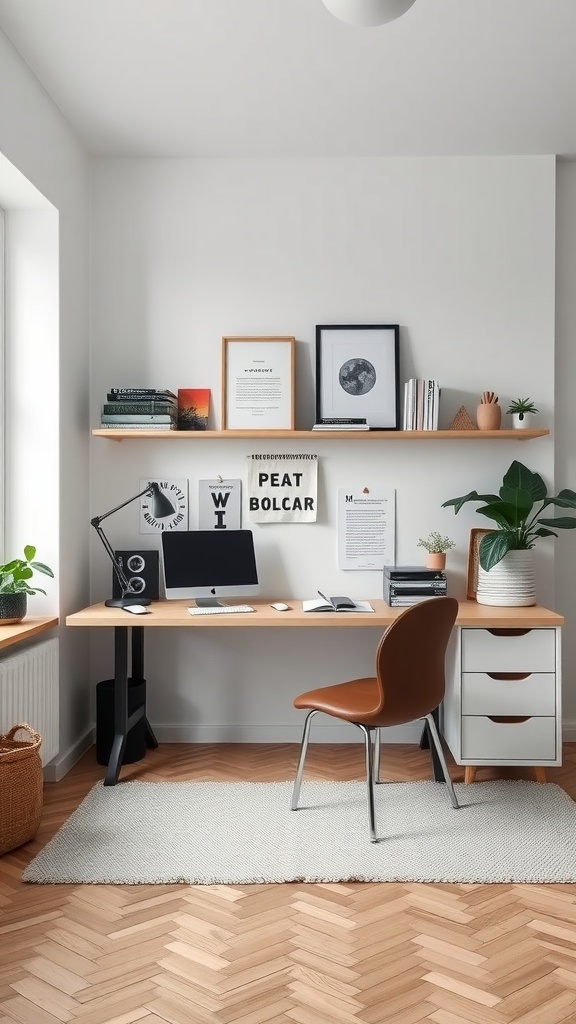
{"type": "Point", "coordinates": [503, 696]}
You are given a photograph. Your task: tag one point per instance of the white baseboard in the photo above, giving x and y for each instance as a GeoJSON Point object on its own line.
{"type": "Point", "coordinates": [569, 731]}
{"type": "Point", "coordinates": [278, 734]}
{"type": "Point", "coordinates": [60, 765]}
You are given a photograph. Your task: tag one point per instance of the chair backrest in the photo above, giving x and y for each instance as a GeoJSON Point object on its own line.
{"type": "Point", "coordinates": [410, 661]}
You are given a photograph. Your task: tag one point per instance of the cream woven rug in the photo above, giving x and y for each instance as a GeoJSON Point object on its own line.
{"type": "Point", "coordinates": [244, 832]}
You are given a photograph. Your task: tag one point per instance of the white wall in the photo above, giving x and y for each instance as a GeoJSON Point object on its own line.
{"type": "Point", "coordinates": [49, 503]}
{"type": "Point", "coordinates": [459, 252]}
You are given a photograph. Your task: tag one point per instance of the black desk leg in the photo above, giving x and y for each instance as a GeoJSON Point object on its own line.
{"type": "Point", "coordinates": [427, 744]}
{"type": "Point", "coordinates": [138, 673]}
{"type": "Point", "coordinates": [123, 723]}
{"type": "Point", "coordinates": [120, 704]}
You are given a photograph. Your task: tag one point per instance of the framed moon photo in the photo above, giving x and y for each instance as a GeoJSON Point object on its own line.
{"type": "Point", "coordinates": [357, 374]}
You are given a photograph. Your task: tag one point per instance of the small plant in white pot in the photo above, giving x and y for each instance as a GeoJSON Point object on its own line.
{"type": "Point", "coordinates": [506, 568]}
{"type": "Point", "coordinates": [436, 546]}
{"type": "Point", "coordinates": [15, 586]}
{"type": "Point", "coordinates": [522, 410]}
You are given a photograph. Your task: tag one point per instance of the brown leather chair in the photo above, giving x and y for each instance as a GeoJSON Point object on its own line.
{"type": "Point", "coordinates": [409, 684]}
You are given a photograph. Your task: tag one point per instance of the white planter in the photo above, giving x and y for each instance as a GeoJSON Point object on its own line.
{"type": "Point", "coordinates": [522, 420]}
{"type": "Point", "coordinates": [510, 583]}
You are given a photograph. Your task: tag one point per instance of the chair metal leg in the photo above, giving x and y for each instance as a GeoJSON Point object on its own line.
{"type": "Point", "coordinates": [302, 758]}
{"type": "Point", "coordinates": [369, 780]}
{"type": "Point", "coordinates": [433, 733]}
{"type": "Point", "coordinates": [377, 740]}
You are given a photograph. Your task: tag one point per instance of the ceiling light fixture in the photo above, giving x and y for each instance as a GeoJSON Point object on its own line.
{"type": "Point", "coordinates": [367, 12]}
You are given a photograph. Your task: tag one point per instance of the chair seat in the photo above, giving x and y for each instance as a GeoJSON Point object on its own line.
{"type": "Point", "coordinates": [354, 701]}
{"type": "Point", "coordinates": [409, 684]}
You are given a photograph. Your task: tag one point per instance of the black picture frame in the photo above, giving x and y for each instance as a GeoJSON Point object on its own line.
{"type": "Point", "coordinates": [357, 373]}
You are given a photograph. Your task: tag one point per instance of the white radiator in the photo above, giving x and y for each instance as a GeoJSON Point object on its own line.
{"type": "Point", "coordinates": [29, 693]}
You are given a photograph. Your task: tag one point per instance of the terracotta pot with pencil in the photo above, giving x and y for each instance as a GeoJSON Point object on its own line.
{"type": "Point", "coordinates": [489, 413]}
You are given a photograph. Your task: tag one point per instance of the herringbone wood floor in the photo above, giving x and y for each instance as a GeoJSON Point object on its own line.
{"type": "Point", "coordinates": [297, 954]}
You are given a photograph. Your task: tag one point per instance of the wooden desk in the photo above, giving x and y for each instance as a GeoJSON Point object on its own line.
{"type": "Point", "coordinates": [129, 643]}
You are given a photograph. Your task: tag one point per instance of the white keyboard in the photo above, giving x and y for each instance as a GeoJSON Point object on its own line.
{"type": "Point", "coordinates": [227, 609]}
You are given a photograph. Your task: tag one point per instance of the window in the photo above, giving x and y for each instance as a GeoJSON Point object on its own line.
{"type": "Point", "coordinates": [2, 385]}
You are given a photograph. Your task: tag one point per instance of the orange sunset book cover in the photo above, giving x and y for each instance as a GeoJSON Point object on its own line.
{"type": "Point", "coordinates": [193, 407]}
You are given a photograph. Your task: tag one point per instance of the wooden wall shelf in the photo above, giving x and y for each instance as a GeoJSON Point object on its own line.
{"type": "Point", "coordinates": [321, 435]}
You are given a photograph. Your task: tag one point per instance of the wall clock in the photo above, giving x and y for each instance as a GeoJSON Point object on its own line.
{"type": "Point", "coordinates": [169, 513]}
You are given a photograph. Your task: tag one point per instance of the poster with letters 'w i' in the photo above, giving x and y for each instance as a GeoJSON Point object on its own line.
{"type": "Point", "coordinates": [282, 488]}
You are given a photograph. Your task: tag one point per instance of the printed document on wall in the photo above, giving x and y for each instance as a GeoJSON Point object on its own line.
{"type": "Point", "coordinates": [366, 527]}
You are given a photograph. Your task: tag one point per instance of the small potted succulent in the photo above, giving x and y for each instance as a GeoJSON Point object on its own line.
{"type": "Point", "coordinates": [521, 410]}
{"type": "Point", "coordinates": [436, 545]}
{"type": "Point", "coordinates": [15, 587]}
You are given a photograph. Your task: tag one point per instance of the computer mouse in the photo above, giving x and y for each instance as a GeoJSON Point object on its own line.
{"type": "Point", "coordinates": [280, 607]}
{"type": "Point", "coordinates": [137, 609]}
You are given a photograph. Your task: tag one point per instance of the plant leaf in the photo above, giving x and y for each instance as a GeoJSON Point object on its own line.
{"type": "Point", "coordinates": [29, 552]}
{"type": "Point", "coordinates": [472, 496]}
{"type": "Point", "coordinates": [565, 499]}
{"type": "Point", "coordinates": [507, 516]}
{"type": "Point", "coordinates": [40, 567]}
{"type": "Point", "coordinates": [560, 523]}
{"type": "Point", "coordinates": [492, 549]}
{"type": "Point", "coordinates": [519, 477]}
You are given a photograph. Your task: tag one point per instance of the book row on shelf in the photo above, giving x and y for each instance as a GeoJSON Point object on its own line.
{"type": "Point", "coordinates": [156, 409]}
{"type": "Point", "coordinates": [421, 404]}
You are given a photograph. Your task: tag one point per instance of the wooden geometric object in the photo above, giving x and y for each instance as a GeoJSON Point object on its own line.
{"type": "Point", "coordinates": [462, 421]}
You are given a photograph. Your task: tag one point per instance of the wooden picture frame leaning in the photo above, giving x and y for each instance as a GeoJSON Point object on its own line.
{"type": "Point", "coordinates": [476, 536]}
{"type": "Point", "coordinates": [258, 383]}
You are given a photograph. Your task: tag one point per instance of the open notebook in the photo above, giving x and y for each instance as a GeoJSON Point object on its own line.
{"type": "Point", "coordinates": [335, 604]}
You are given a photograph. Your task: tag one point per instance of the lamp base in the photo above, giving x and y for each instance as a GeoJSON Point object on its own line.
{"type": "Point", "coordinates": [125, 602]}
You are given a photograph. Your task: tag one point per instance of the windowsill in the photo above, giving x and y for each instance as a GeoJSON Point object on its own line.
{"type": "Point", "coordinates": [30, 626]}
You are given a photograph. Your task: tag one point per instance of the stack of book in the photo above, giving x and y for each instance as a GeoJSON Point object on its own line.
{"type": "Point", "coordinates": [343, 423]}
{"type": "Point", "coordinates": [421, 404]}
{"type": "Point", "coordinates": [405, 585]}
{"type": "Point", "coordinates": [140, 409]}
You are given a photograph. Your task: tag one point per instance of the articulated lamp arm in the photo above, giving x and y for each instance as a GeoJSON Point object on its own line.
{"type": "Point", "coordinates": [125, 587]}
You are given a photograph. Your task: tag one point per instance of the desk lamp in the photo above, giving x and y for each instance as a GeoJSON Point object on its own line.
{"type": "Point", "coordinates": [162, 507]}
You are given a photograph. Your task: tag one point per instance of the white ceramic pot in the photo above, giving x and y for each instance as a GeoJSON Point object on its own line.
{"type": "Point", "coordinates": [522, 420]}
{"type": "Point", "coordinates": [510, 583]}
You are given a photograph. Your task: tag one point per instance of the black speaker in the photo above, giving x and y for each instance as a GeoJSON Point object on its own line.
{"type": "Point", "coordinates": [141, 568]}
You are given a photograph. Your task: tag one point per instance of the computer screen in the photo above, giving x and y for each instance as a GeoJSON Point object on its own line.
{"type": "Point", "coordinates": [203, 565]}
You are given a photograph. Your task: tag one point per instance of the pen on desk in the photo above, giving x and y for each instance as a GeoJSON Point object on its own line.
{"type": "Point", "coordinates": [323, 596]}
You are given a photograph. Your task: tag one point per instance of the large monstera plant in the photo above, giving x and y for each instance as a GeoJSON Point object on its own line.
{"type": "Point", "coordinates": [516, 512]}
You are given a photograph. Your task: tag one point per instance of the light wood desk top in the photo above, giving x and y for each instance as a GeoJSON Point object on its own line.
{"type": "Point", "coordinates": [173, 613]}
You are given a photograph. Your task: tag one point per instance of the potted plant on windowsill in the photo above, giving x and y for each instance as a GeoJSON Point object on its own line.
{"type": "Point", "coordinates": [15, 586]}
{"type": "Point", "coordinates": [521, 410]}
{"type": "Point", "coordinates": [506, 569]}
{"type": "Point", "coordinates": [436, 546]}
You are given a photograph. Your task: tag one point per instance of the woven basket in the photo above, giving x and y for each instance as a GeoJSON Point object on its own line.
{"type": "Point", "coordinates": [21, 787]}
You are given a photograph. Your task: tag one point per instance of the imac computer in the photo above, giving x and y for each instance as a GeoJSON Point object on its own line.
{"type": "Point", "coordinates": [204, 565]}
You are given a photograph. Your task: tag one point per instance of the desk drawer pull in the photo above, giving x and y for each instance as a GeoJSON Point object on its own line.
{"type": "Point", "coordinates": [509, 719]}
{"type": "Point", "coordinates": [508, 632]}
{"type": "Point", "coordinates": [509, 675]}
